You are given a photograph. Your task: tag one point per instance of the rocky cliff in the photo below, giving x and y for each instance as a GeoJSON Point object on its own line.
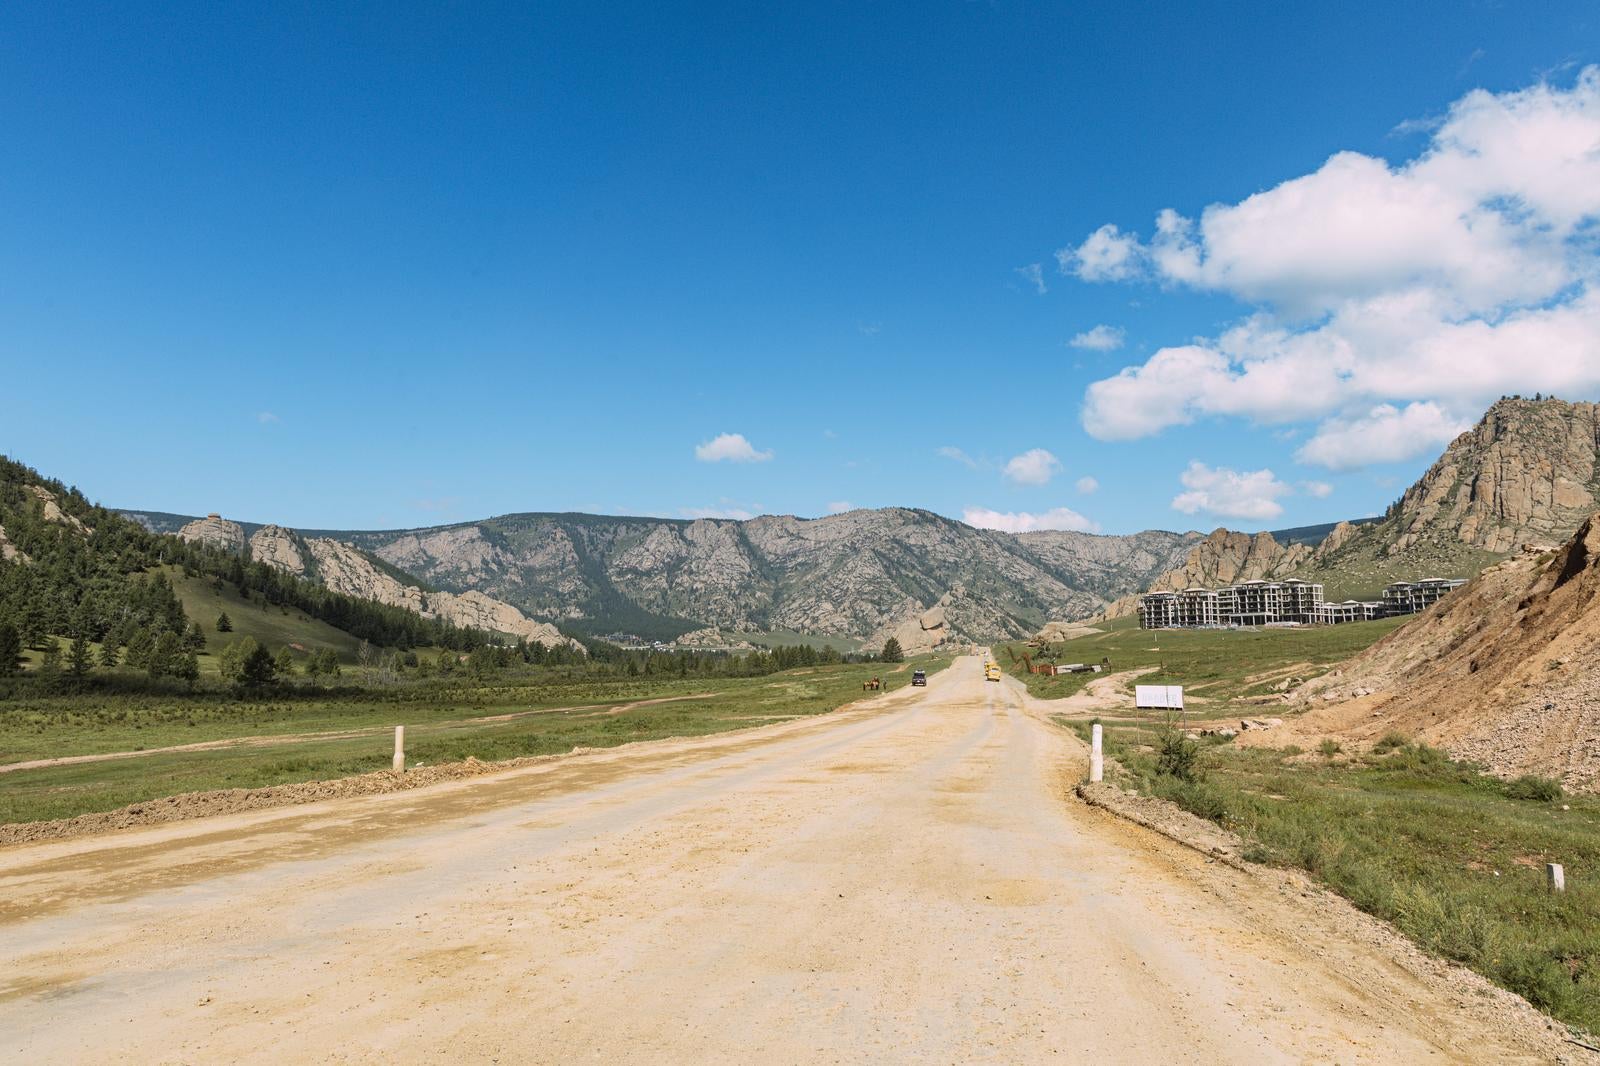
{"type": "Point", "coordinates": [1526, 473]}
{"type": "Point", "coordinates": [216, 531]}
{"type": "Point", "coordinates": [347, 569]}
{"type": "Point", "coordinates": [868, 573]}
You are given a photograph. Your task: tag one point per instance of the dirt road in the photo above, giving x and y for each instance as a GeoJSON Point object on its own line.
{"type": "Point", "coordinates": [904, 881]}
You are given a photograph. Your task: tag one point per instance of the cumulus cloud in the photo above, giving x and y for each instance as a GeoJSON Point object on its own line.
{"type": "Point", "coordinates": [1024, 522]}
{"type": "Point", "coordinates": [840, 506]}
{"type": "Point", "coordinates": [1087, 484]}
{"type": "Point", "coordinates": [955, 454]}
{"type": "Point", "coordinates": [1320, 489]}
{"type": "Point", "coordinates": [1229, 493]}
{"type": "Point", "coordinates": [1429, 288]}
{"type": "Point", "coordinates": [1033, 274]}
{"type": "Point", "coordinates": [1107, 254]}
{"type": "Point", "coordinates": [1033, 467]}
{"type": "Point", "coordinates": [1100, 339]}
{"type": "Point", "coordinates": [730, 448]}
{"type": "Point", "coordinates": [1384, 434]}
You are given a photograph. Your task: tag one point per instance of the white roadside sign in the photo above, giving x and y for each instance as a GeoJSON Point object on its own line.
{"type": "Point", "coordinates": [1158, 697]}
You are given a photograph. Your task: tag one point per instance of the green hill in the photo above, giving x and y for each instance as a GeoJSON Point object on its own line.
{"type": "Point", "coordinates": [272, 625]}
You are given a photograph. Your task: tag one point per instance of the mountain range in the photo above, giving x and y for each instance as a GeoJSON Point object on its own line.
{"type": "Point", "coordinates": [1527, 472]}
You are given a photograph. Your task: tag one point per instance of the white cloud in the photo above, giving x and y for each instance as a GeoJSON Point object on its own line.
{"type": "Point", "coordinates": [1320, 489]}
{"type": "Point", "coordinates": [1033, 274]}
{"type": "Point", "coordinates": [1429, 288]}
{"type": "Point", "coordinates": [267, 418]}
{"type": "Point", "coordinates": [1385, 434]}
{"type": "Point", "coordinates": [957, 455]}
{"type": "Point", "coordinates": [1220, 491]}
{"type": "Point", "coordinates": [840, 506]}
{"type": "Point", "coordinates": [730, 447]}
{"type": "Point", "coordinates": [1101, 338]}
{"type": "Point", "coordinates": [1107, 254]}
{"type": "Point", "coordinates": [1033, 467]}
{"type": "Point", "coordinates": [1087, 485]}
{"type": "Point", "coordinates": [1024, 522]}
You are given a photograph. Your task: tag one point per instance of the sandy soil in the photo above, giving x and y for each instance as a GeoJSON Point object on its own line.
{"type": "Point", "coordinates": [909, 880]}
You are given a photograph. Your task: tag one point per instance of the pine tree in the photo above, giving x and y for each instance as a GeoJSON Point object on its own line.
{"type": "Point", "coordinates": [80, 658]}
{"type": "Point", "coordinates": [195, 639]}
{"type": "Point", "coordinates": [891, 652]}
{"type": "Point", "coordinates": [50, 665]}
{"type": "Point", "coordinates": [10, 649]}
{"type": "Point", "coordinates": [257, 669]}
{"type": "Point", "coordinates": [285, 661]}
{"type": "Point", "coordinates": [166, 656]}
{"type": "Point", "coordinates": [224, 623]}
{"type": "Point", "coordinates": [108, 654]}
{"type": "Point", "coordinates": [328, 663]}
{"type": "Point", "coordinates": [186, 667]}
{"type": "Point", "coordinates": [141, 646]}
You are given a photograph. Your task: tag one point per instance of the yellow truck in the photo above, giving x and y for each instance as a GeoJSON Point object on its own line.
{"type": "Point", "coordinates": [991, 671]}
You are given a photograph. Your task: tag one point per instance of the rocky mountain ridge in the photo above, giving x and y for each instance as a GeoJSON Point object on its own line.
{"type": "Point", "coordinates": [1527, 474]}
{"type": "Point", "coordinates": [866, 574]}
{"type": "Point", "coordinates": [346, 569]}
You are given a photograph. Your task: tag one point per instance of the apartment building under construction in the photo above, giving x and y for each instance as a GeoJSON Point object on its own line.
{"type": "Point", "coordinates": [1287, 603]}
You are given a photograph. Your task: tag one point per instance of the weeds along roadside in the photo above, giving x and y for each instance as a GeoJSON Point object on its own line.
{"type": "Point", "coordinates": [1452, 857]}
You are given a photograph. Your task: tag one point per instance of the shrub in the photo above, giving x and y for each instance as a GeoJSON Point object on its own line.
{"type": "Point", "coordinates": [1178, 756]}
{"type": "Point", "coordinates": [1329, 747]}
{"type": "Point", "coordinates": [1534, 787]}
{"type": "Point", "coordinates": [1390, 741]}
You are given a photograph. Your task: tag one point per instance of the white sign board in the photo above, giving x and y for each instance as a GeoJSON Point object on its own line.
{"type": "Point", "coordinates": [1158, 697]}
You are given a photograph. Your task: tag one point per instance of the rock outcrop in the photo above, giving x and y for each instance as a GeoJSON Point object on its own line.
{"type": "Point", "coordinates": [280, 548]}
{"type": "Point", "coordinates": [216, 531]}
{"type": "Point", "coordinates": [1504, 672]}
{"type": "Point", "coordinates": [347, 569]}
{"type": "Point", "coordinates": [1527, 472]}
{"type": "Point", "coordinates": [9, 552]}
{"type": "Point", "coordinates": [52, 512]}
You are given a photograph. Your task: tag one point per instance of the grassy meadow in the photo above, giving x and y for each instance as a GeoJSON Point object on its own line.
{"type": "Point", "coordinates": [553, 711]}
{"type": "Point", "coordinates": [1215, 666]}
{"type": "Point", "coordinates": [1453, 858]}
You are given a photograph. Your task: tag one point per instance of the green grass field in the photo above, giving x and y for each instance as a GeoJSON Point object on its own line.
{"type": "Point", "coordinates": [270, 625]}
{"type": "Point", "coordinates": [1451, 857]}
{"type": "Point", "coordinates": [1215, 666]}
{"type": "Point", "coordinates": [438, 719]}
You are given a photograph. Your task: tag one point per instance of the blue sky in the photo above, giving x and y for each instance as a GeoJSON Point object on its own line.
{"type": "Point", "coordinates": [382, 265]}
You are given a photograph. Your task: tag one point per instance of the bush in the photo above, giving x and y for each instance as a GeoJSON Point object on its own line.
{"type": "Point", "coordinates": [1178, 756]}
{"type": "Point", "coordinates": [1391, 741]}
{"type": "Point", "coordinates": [1329, 748]}
{"type": "Point", "coordinates": [1534, 787]}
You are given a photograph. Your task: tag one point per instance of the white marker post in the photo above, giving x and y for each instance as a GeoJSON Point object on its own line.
{"type": "Point", "coordinates": [1556, 876]}
{"type": "Point", "coordinates": [399, 749]}
{"type": "Point", "coordinates": [1097, 761]}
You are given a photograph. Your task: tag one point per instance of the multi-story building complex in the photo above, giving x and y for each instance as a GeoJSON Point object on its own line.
{"type": "Point", "coordinates": [1332, 614]}
{"type": "Point", "coordinates": [1261, 603]}
{"type": "Point", "coordinates": [1411, 597]}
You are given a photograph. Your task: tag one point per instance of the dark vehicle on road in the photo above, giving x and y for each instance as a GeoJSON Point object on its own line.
{"type": "Point", "coordinates": [919, 677]}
